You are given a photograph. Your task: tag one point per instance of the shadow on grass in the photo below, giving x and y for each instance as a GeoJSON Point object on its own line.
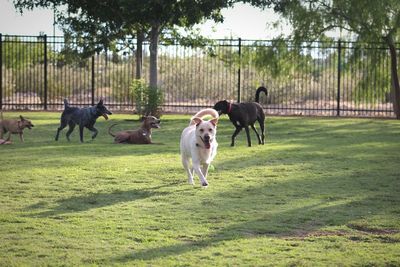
{"type": "Point", "coordinates": [293, 223]}
{"type": "Point", "coordinates": [291, 144]}
{"type": "Point", "coordinates": [296, 208]}
{"type": "Point", "coordinates": [271, 208]}
{"type": "Point", "coordinates": [93, 201]}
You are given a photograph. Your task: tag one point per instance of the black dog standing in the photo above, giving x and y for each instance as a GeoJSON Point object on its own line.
{"type": "Point", "coordinates": [84, 117]}
{"type": "Point", "coordinates": [243, 115]}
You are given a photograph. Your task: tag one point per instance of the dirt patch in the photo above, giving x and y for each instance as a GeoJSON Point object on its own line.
{"type": "Point", "coordinates": [362, 234]}
{"type": "Point", "coordinates": [375, 231]}
{"type": "Point", "coordinates": [303, 234]}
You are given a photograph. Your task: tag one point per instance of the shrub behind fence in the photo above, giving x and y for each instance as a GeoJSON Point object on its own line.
{"type": "Point", "coordinates": [322, 78]}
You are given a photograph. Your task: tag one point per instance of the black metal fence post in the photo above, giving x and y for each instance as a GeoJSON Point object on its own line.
{"type": "Point", "coordinates": [240, 63]}
{"type": "Point", "coordinates": [338, 77]}
{"type": "Point", "coordinates": [93, 80]}
{"type": "Point", "coordinates": [45, 72]}
{"type": "Point", "coordinates": [194, 78]}
{"type": "Point", "coordinates": [1, 71]}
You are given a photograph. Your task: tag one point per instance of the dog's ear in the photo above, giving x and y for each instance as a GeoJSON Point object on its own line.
{"type": "Point", "coordinates": [214, 121]}
{"type": "Point", "coordinates": [100, 102]}
{"type": "Point", "coordinates": [197, 121]}
{"type": "Point", "coordinates": [22, 118]}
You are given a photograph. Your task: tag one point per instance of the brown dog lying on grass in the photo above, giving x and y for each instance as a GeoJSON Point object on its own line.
{"type": "Point", "coordinates": [14, 127]}
{"type": "Point", "coordinates": [139, 136]}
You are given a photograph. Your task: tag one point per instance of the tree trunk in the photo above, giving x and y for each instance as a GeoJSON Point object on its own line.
{"type": "Point", "coordinates": [395, 78]}
{"type": "Point", "coordinates": [139, 54]}
{"type": "Point", "coordinates": [154, 37]}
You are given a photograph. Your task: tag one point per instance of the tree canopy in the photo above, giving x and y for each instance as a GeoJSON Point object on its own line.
{"type": "Point", "coordinates": [100, 22]}
{"type": "Point", "coordinates": [107, 20]}
{"type": "Point", "coordinates": [367, 20]}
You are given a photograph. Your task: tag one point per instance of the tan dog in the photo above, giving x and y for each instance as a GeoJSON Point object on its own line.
{"type": "Point", "coordinates": [14, 127]}
{"type": "Point", "coordinates": [139, 136]}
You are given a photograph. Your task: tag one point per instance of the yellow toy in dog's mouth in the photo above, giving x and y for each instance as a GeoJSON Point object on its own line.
{"type": "Point", "coordinates": [105, 116]}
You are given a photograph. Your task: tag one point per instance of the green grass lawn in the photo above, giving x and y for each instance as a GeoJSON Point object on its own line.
{"type": "Point", "coordinates": [322, 191]}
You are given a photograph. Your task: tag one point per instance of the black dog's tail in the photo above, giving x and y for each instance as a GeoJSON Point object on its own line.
{"type": "Point", "coordinates": [109, 130]}
{"type": "Point", "coordinates": [258, 92]}
{"type": "Point", "coordinates": [66, 104]}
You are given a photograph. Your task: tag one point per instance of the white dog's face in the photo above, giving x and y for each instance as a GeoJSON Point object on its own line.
{"type": "Point", "coordinates": [206, 131]}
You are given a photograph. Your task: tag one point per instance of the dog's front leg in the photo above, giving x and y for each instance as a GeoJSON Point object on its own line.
{"type": "Point", "coordinates": [81, 133]}
{"type": "Point", "coordinates": [189, 171]}
{"type": "Point", "coordinates": [204, 170]}
{"type": "Point", "coordinates": [198, 171]}
{"type": "Point", "coordinates": [21, 137]}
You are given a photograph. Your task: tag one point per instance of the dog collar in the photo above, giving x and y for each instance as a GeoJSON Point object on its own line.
{"type": "Point", "coordinates": [198, 145]}
{"type": "Point", "coordinates": [229, 107]}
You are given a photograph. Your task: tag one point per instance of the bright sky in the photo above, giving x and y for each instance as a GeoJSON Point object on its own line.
{"type": "Point", "coordinates": [31, 23]}
{"type": "Point", "coordinates": [246, 22]}
{"type": "Point", "coordinates": [241, 21]}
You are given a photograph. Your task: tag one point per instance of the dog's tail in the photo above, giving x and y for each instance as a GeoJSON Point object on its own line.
{"type": "Point", "coordinates": [203, 113]}
{"type": "Point", "coordinates": [258, 92]}
{"type": "Point", "coordinates": [109, 130]}
{"type": "Point", "coordinates": [66, 104]}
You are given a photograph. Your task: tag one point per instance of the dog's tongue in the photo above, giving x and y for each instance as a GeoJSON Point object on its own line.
{"type": "Point", "coordinates": [105, 116]}
{"type": "Point", "coordinates": [207, 145]}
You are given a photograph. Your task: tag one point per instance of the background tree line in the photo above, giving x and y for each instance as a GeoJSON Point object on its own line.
{"type": "Point", "coordinates": [300, 76]}
{"type": "Point", "coordinates": [97, 24]}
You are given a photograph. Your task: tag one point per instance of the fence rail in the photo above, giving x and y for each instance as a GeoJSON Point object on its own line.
{"type": "Point", "coordinates": [322, 78]}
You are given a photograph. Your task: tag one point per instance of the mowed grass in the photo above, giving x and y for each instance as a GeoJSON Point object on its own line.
{"type": "Point", "coordinates": [322, 191]}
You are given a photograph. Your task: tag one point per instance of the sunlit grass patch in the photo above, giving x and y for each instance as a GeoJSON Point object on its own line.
{"type": "Point", "coordinates": [321, 191]}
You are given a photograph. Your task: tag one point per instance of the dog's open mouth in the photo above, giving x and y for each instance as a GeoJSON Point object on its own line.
{"type": "Point", "coordinates": [155, 125]}
{"type": "Point", "coordinates": [206, 141]}
{"type": "Point", "coordinates": [207, 145]}
{"type": "Point", "coordinates": [105, 116]}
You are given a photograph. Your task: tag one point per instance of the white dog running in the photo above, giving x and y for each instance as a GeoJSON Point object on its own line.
{"type": "Point", "coordinates": [199, 144]}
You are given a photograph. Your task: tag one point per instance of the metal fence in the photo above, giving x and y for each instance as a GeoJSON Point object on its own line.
{"type": "Point", "coordinates": [321, 78]}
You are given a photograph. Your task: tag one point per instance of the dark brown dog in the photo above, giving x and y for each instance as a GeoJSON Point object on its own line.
{"type": "Point", "coordinates": [139, 136]}
{"type": "Point", "coordinates": [243, 115]}
{"type": "Point", "coordinates": [14, 127]}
